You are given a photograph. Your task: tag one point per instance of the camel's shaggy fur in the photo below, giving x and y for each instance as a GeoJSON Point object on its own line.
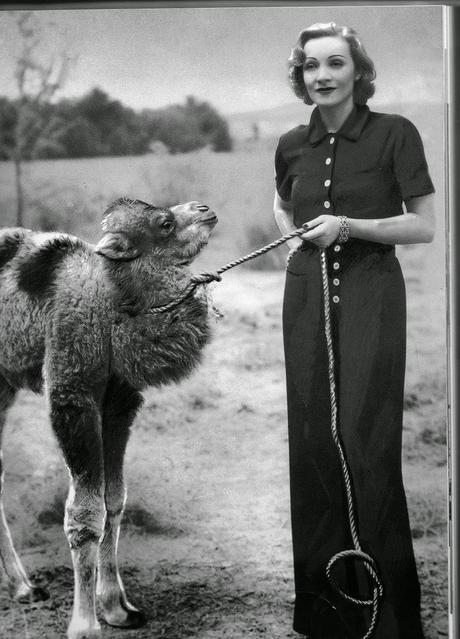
{"type": "Point", "coordinates": [73, 318]}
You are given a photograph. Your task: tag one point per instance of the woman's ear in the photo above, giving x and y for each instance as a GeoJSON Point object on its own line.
{"type": "Point", "coordinates": [117, 246]}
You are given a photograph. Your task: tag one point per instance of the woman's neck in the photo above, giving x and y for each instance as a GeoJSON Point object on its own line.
{"type": "Point", "coordinates": [334, 116]}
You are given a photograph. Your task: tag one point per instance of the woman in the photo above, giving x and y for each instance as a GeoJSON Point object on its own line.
{"type": "Point", "coordinates": [348, 174]}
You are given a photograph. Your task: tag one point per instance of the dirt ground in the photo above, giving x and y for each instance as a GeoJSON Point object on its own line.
{"type": "Point", "coordinates": [205, 545]}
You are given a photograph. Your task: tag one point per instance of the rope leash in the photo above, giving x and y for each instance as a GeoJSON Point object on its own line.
{"type": "Point", "coordinates": [206, 278]}
{"type": "Point", "coordinates": [357, 552]}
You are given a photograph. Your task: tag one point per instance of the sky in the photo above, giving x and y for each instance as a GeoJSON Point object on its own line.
{"type": "Point", "coordinates": [233, 57]}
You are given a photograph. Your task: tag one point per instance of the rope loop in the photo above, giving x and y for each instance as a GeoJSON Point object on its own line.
{"type": "Point", "coordinates": [371, 568]}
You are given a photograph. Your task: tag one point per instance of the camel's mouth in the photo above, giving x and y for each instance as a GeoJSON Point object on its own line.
{"type": "Point", "coordinates": [193, 245]}
{"type": "Point", "coordinates": [210, 219]}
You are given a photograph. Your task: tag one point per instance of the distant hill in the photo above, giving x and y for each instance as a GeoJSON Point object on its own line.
{"type": "Point", "coordinates": [268, 123]}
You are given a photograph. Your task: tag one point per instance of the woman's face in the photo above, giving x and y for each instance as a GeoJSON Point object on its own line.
{"type": "Point", "coordinates": [329, 71]}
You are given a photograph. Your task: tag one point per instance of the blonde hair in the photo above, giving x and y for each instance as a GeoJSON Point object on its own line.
{"type": "Point", "coordinates": [364, 86]}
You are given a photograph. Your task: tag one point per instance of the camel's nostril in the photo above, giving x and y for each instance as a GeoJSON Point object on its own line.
{"type": "Point", "coordinates": [202, 207]}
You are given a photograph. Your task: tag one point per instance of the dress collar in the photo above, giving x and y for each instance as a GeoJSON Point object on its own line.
{"type": "Point", "coordinates": [350, 129]}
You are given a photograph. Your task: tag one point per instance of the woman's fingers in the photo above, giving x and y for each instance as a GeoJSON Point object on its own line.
{"type": "Point", "coordinates": [316, 221]}
{"type": "Point", "coordinates": [323, 230]}
{"type": "Point", "coordinates": [314, 233]}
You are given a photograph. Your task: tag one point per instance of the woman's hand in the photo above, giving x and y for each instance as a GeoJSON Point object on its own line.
{"type": "Point", "coordinates": [323, 230]}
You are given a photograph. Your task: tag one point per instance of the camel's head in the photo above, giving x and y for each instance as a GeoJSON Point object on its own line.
{"type": "Point", "coordinates": [133, 229]}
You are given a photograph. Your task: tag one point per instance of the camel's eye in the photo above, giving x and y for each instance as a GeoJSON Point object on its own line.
{"type": "Point", "coordinates": [166, 225]}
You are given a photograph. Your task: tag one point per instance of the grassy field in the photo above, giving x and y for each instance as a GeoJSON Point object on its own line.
{"type": "Point", "coordinates": [72, 194]}
{"type": "Point", "coordinates": [205, 546]}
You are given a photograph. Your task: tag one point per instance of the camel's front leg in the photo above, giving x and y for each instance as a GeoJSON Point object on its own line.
{"type": "Point", "coordinates": [120, 406]}
{"type": "Point", "coordinates": [77, 424]}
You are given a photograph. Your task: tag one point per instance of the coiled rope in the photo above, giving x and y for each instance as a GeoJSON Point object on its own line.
{"type": "Point", "coordinates": [356, 552]}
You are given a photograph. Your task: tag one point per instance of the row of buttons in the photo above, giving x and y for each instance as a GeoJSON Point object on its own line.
{"type": "Point", "coordinates": [336, 281]}
{"type": "Point", "coordinates": [337, 247]}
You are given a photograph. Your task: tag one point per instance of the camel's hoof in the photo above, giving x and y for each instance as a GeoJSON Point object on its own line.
{"type": "Point", "coordinates": [133, 619]}
{"type": "Point", "coordinates": [30, 595]}
{"type": "Point", "coordinates": [78, 633]}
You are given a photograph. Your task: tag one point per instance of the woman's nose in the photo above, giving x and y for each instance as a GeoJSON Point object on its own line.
{"type": "Point", "coordinates": [323, 73]}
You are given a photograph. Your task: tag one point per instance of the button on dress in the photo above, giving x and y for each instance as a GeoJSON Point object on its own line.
{"type": "Point", "coordinates": [365, 170]}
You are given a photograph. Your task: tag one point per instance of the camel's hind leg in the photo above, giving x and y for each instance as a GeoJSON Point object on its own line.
{"type": "Point", "coordinates": [120, 406]}
{"type": "Point", "coordinates": [18, 582]}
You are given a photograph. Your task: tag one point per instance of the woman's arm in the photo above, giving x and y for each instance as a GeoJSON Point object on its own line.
{"type": "Point", "coordinates": [284, 218]}
{"type": "Point", "coordinates": [417, 225]}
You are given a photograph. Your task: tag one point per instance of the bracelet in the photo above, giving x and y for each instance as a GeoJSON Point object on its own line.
{"type": "Point", "coordinates": [344, 229]}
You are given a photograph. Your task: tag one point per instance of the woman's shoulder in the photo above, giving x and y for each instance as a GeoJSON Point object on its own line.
{"type": "Point", "coordinates": [293, 137]}
{"type": "Point", "coordinates": [395, 121]}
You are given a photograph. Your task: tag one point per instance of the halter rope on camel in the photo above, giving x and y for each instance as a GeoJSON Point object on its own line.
{"type": "Point", "coordinates": [357, 553]}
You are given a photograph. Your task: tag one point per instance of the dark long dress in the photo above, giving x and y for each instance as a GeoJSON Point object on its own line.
{"type": "Point", "coordinates": [365, 170]}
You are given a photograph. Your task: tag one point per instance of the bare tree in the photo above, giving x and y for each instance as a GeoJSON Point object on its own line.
{"type": "Point", "coordinates": [38, 76]}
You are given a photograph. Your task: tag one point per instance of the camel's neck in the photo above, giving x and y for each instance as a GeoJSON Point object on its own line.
{"type": "Point", "coordinates": [145, 284]}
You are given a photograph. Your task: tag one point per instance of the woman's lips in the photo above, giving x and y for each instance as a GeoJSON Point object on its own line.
{"type": "Point", "coordinates": [325, 89]}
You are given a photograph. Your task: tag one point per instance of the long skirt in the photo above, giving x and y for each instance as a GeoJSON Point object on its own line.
{"type": "Point", "coordinates": [368, 313]}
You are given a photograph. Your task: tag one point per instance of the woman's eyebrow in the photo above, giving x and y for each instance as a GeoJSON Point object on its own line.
{"type": "Point", "coordinates": [333, 55]}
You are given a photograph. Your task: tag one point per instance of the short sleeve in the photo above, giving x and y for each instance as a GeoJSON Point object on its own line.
{"type": "Point", "coordinates": [409, 162]}
{"type": "Point", "coordinates": [283, 181]}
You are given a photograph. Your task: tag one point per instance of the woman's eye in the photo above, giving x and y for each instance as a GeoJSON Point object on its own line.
{"type": "Point", "coordinates": [337, 63]}
{"type": "Point", "coordinates": [308, 66]}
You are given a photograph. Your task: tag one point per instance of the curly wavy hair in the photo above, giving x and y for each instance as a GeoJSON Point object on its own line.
{"type": "Point", "coordinates": [364, 86]}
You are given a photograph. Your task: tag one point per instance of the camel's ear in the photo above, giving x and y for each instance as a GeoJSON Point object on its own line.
{"type": "Point", "coordinates": [117, 246]}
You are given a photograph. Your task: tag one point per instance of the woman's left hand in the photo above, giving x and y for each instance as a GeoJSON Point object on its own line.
{"type": "Point", "coordinates": [322, 231]}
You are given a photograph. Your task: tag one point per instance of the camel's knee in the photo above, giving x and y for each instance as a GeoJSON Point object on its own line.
{"type": "Point", "coordinates": [84, 518]}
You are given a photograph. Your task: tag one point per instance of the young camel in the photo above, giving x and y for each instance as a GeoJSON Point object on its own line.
{"type": "Point", "coordinates": [74, 319]}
